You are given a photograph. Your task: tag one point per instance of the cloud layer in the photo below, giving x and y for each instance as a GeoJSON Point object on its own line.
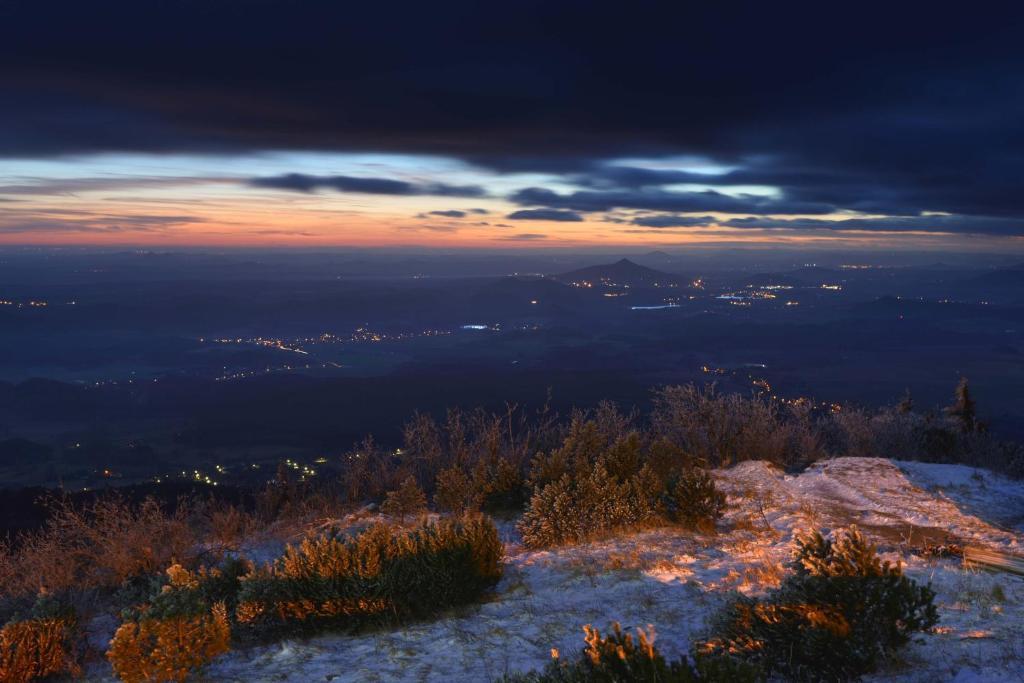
{"type": "Point", "coordinates": [299, 182]}
{"type": "Point", "coordinates": [886, 111]}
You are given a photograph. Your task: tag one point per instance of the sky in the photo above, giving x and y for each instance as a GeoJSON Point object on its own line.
{"type": "Point", "coordinates": [515, 124]}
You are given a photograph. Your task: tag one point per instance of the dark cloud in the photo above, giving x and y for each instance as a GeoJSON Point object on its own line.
{"type": "Point", "coordinates": [929, 223]}
{"type": "Point", "coordinates": [662, 200]}
{"type": "Point", "coordinates": [455, 213]}
{"type": "Point", "coordinates": [545, 215]}
{"type": "Point", "coordinates": [888, 109]}
{"type": "Point", "coordinates": [670, 221]}
{"type": "Point", "coordinates": [952, 224]}
{"type": "Point", "coordinates": [893, 191]}
{"type": "Point", "coordinates": [597, 81]}
{"type": "Point", "coordinates": [615, 176]}
{"type": "Point", "coordinates": [70, 186]}
{"type": "Point", "coordinates": [300, 182]}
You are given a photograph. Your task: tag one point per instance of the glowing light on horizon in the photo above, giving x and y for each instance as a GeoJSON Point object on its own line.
{"type": "Point", "coordinates": [206, 200]}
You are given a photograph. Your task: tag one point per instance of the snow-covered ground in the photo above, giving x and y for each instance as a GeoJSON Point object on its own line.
{"type": "Point", "coordinates": [676, 580]}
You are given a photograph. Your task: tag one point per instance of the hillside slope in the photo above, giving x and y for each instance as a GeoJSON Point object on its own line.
{"type": "Point", "coordinates": [676, 580]}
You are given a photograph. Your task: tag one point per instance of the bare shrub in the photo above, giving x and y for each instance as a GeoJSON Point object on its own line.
{"type": "Point", "coordinates": [723, 429]}
{"type": "Point", "coordinates": [98, 546]}
{"type": "Point", "coordinates": [229, 526]}
{"type": "Point", "coordinates": [455, 492]}
{"type": "Point", "coordinates": [369, 472]}
{"type": "Point", "coordinates": [422, 448]}
{"type": "Point", "coordinates": [490, 450]}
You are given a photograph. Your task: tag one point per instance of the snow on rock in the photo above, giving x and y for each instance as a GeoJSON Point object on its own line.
{"type": "Point", "coordinates": [908, 503]}
{"type": "Point", "coordinates": [675, 580]}
{"type": "Point", "coordinates": [993, 497]}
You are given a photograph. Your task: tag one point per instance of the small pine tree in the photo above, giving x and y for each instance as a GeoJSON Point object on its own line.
{"type": "Point", "coordinates": [694, 501]}
{"type": "Point", "coordinates": [964, 409]}
{"type": "Point", "coordinates": [408, 499]}
{"type": "Point", "coordinates": [837, 617]}
{"type": "Point", "coordinates": [454, 491]}
{"type": "Point", "coordinates": [169, 649]}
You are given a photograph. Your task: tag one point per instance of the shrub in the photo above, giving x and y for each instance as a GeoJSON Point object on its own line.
{"type": "Point", "coordinates": [182, 627]}
{"type": "Point", "coordinates": [836, 618]}
{"type": "Point", "coordinates": [187, 593]}
{"type": "Point", "coordinates": [383, 573]}
{"type": "Point", "coordinates": [408, 499]}
{"type": "Point", "coordinates": [499, 484]}
{"type": "Point", "coordinates": [367, 472]}
{"type": "Point", "coordinates": [597, 483]}
{"type": "Point", "coordinates": [38, 648]}
{"type": "Point", "coordinates": [694, 501]}
{"type": "Point", "coordinates": [722, 429]}
{"type": "Point", "coordinates": [618, 658]}
{"type": "Point", "coordinates": [422, 447]}
{"type": "Point", "coordinates": [574, 510]}
{"type": "Point", "coordinates": [168, 649]}
{"type": "Point", "coordinates": [229, 526]}
{"type": "Point", "coordinates": [581, 447]}
{"type": "Point", "coordinates": [492, 450]}
{"type": "Point", "coordinates": [455, 492]}
{"type": "Point", "coordinates": [99, 546]}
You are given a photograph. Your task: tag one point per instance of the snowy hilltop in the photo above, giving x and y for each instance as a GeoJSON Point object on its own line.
{"type": "Point", "coordinates": [675, 580]}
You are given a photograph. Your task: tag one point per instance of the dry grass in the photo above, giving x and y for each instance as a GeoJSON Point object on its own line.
{"type": "Point", "coordinates": [229, 527]}
{"type": "Point", "coordinates": [624, 561]}
{"type": "Point", "coordinates": [763, 573]}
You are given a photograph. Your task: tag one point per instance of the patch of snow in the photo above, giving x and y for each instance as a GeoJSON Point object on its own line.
{"type": "Point", "coordinates": [677, 580]}
{"type": "Point", "coordinates": [991, 496]}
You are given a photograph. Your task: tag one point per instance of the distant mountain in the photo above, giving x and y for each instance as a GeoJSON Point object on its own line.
{"type": "Point", "coordinates": [621, 273]}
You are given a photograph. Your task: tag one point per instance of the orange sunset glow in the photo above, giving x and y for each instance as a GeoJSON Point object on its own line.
{"type": "Point", "coordinates": [126, 200]}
